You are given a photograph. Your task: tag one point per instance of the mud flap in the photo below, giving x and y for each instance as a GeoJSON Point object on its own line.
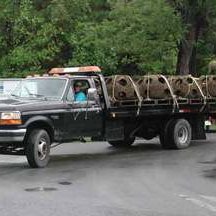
{"type": "Point", "coordinates": [114, 130]}
{"type": "Point", "coordinates": [198, 128]}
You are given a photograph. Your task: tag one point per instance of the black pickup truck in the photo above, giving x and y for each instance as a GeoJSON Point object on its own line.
{"type": "Point", "coordinates": [41, 112]}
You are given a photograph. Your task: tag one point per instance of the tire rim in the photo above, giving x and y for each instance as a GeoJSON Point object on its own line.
{"type": "Point", "coordinates": [183, 135]}
{"type": "Point", "coordinates": [42, 149]}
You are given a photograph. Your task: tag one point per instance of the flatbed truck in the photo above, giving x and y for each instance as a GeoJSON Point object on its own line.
{"type": "Point", "coordinates": [41, 113]}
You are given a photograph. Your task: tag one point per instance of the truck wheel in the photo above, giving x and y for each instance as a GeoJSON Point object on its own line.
{"type": "Point", "coordinates": [177, 134]}
{"type": "Point", "coordinates": [38, 148]}
{"type": "Point", "coordinates": [122, 143]}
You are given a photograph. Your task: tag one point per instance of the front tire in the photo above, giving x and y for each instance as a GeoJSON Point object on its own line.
{"type": "Point", "coordinates": [38, 148]}
{"type": "Point", "coordinates": [176, 135]}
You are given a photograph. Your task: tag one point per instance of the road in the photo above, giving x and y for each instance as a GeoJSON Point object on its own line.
{"type": "Point", "coordinates": [93, 179]}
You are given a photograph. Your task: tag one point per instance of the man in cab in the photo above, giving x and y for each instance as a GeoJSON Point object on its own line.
{"type": "Point", "coordinates": [79, 94]}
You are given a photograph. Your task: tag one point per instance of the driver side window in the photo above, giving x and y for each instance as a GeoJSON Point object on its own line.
{"type": "Point", "coordinates": [78, 91]}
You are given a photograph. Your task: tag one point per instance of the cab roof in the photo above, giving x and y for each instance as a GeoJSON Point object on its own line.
{"type": "Point", "coordinates": [55, 77]}
{"type": "Point", "coordinates": [70, 72]}
{"type": "Point", "coordinates": [75, 70]}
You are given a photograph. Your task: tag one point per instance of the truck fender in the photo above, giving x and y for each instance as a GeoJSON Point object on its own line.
{"type": "Point", "coordinates": [41, 120]}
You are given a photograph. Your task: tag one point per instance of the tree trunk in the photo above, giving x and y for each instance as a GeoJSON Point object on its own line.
{"type": "Point", "coordinates": [185, 52]}
{"type": "Point", "coordinates": [198, 32]}
{"type": "Point", "coordinates": [193, 62]}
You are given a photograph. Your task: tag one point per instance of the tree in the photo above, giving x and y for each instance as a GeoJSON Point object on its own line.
{"type": "Point", "coordinates": [37, 37]}
{"type": "Point", "coordinates": [130, 36]}
{"type": "Point", "coordinates": [137, 37]}
{"type": "Point", "coordinates": [196, 17]}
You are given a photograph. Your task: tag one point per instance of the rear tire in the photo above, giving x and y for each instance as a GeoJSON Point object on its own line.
{"type": "Point", "coordinates": [38, 148]}
{"type": "Point", "coordinates": [122, 143]}
{"type": "Point", "coordinates": [176, 135]}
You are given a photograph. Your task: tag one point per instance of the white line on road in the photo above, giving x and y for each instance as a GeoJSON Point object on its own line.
{"type": "Point", "coordinates": [199, 202]}
{"type": "Point", "coordinates": [210, 198]}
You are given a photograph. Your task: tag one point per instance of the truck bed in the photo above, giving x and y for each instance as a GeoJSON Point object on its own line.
{"type": "Point", "coordinates": [163, 107]}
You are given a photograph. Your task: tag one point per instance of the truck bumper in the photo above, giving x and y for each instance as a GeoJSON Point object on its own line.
{"type": "Point", "coordinates": [14, 135]}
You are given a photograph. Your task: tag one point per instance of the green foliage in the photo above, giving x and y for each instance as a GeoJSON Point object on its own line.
{"type": "Point", "coordinates": [198, 18]}
{"type": "Point", "coordinates": [137, 37]}
{"type": "Point", "coordinates": [33, 42]}
{"type": "Point", "coordinates": [207, 43]}
{"type": "Point", "coordinates": [130, 36]}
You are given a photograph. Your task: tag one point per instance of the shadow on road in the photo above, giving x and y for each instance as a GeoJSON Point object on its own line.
{"type": "Point", "coordinates": [139, 151]}
{"type": "Point", "coordinates": [111, 151]}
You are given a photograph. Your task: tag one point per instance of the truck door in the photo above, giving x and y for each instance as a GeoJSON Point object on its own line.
{"type": "Point", "coordinates": [83, 118]}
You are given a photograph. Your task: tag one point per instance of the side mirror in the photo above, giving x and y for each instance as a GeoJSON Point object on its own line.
{"type": "Point", "coordinates": [92, 94]}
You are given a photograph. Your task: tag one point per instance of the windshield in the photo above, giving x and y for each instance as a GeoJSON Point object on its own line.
{"type": "Point", "coordinates": [48, 89]}
{"type": "Point", "coordinates": [7, 86]}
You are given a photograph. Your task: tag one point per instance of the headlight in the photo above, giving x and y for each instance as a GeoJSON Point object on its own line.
{"type": "Point", "coordinates": [10, 118]}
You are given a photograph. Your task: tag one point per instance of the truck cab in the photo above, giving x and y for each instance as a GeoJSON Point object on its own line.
{"type": "Point", "coordinates": [44, 110]}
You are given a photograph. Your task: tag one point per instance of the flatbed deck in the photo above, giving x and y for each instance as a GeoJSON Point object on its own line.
{"type": "Point", "coordinates": [163, 107]}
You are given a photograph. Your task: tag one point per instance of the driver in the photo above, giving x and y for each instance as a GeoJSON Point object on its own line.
{"type": "Point", "coordinates": [79, 95]}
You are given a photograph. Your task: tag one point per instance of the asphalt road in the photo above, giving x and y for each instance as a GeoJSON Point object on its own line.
{"type": "Point", "coordinates": [93, 179]}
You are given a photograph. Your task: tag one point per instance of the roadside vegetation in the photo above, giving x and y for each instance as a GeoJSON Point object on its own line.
{"type": "Point", "coordinates": [121, 36]}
